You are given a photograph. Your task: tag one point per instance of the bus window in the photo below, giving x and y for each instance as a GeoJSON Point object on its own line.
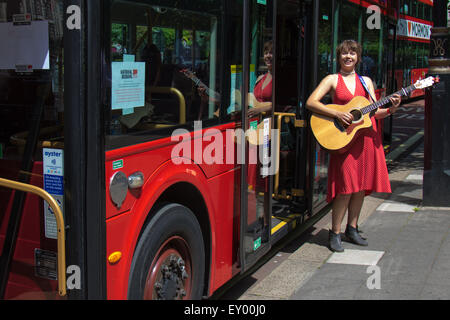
{"type": "Point", "coordinates": [372, 64]}
{"type": "Point", "coordinates": [325, 40]}
{"type": "Point", "coordinates": [161, 69]}
{"type": "Point", "coordinates": [31, 119]}
{"type": "Point", "coordinates": [349, 12]}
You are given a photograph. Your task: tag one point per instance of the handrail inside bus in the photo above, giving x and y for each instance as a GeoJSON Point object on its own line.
{"type": "Point", "coordinates": [19, 139]}
{"type": "Point", "coordinates": [279, 117]}
{"type": "Point", "coordinates": [178, 94]}
{"type": "Point", "coordinates": [59, 223]}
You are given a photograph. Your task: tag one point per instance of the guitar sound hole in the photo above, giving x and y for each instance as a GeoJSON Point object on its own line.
{"type": "Point", "coordinates": [356, 115]}
{"type": "Point", "coordinates": [338, 125]}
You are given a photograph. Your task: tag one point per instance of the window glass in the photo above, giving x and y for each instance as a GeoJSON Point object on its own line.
{"type": "Point", "coordinates": [372, 64]}
{"type": "Point", "coordinates": [406, 8]}
{"type": "Point", "coordinates": [414, 8]}
{"type": "Point", "coordinates": [325, 39]}
{"type": "Point", "coordinates": [349, 12]}
{"type": "Point", "coordinates": [428, 15]}
{"type": "Point", "coordinates": [31, 120]}
{"type": "Point", "coordinates": [34, 95]}
{"type": "Point", "coordinates": [371, 40]}
{"type": "Point", "coordinates": [420, 10]}
{"type": "Point", "coordinates": [162, 67]}
{"type": "Point", "coordinates": [231, 78]}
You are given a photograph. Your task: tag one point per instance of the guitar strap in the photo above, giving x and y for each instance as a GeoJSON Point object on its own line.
{"type": "Point", "coordinates": [365, 87]}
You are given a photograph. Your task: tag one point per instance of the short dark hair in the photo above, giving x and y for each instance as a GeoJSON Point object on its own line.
{"type": "Point", "coordinates": [268, 45]}
{"type": "Point", "coordinates": [349, 45]}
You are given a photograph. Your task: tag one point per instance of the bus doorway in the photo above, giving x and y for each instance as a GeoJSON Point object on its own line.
{"type": "Point", "coordinates": [258, 60]}
{"type": "Point", "coordinates": [273, 186]}
{"type": "Point", "coordinates": [51, 140]}
{"type": "Point", "coordinates": [288, 195]}
{"type": "Point", "coordinates": [31, 148]}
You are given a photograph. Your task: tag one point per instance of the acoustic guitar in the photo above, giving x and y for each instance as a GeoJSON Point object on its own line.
{"type": "Point", "coordinates": [333, 136]}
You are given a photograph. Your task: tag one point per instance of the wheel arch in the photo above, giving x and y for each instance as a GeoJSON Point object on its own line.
{"type": "Point", "coordinates": [186, 194]}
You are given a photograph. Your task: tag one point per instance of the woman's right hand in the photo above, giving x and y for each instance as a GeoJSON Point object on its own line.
{"type": "Point", "coordinates": [345, 118]}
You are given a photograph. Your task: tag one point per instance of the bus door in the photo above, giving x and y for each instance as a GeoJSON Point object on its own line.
{"type": "Point", "coordinates": [50, 139]}
{"type": "Point", "coordinates": [257, 123]}
{"type": "Point", "coordinates": [31, 147]}
{"type": "Point", "coordinates": [288, 196]}
{"type": "Point", "coordinates": [320, 43]}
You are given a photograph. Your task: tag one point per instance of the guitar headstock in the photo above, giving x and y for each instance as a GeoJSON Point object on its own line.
{"type": "Point", "coordinates": [425, 83]}
{"type": "Point", "coordinates": [188, 73]}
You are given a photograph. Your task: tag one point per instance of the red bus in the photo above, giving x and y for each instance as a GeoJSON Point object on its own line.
{"type": "Point", "coordinates": [125, 112]}
{"type": "Point", "coordinates": [413, 42]}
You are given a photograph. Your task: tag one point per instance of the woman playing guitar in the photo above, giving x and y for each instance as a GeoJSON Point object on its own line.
{"type": "Point", "coordinates": [361, 169]}
{"type": "Point", "coordinates": [262, 93]}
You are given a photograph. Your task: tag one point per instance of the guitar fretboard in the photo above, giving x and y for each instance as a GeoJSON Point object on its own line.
{"type": "Point", "coordinates": [385, 100]}
{"type": "Point", "coordinates": [199, 83]}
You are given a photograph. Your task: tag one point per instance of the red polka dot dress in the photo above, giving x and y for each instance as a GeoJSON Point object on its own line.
{"type": "Point", "coordinates": [255, 179]}
{"type": "Point", "coordinates": [363, 166]}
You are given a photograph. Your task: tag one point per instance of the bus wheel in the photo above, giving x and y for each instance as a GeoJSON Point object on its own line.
{"type": "Point", "coordinates": [169, 261]}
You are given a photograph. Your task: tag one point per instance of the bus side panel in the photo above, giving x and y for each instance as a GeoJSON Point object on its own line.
{"type": "Point", "coordinates": [148, 157]}
{"type": "Point", "coordinates": [154, 160]}
{"type": "Point", "coordinates": [219, 150]}
{"type": "Point", "coordinates": [123, 230]}
{"type": "Point", "coordinates": [118, 231]}
{"type": "Point", "coordinates": [23, 282]}
{"type": "Point", "coordinates": [227, 218]}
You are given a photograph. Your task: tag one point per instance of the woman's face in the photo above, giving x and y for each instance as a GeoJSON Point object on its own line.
{"type": "Point", "coordinates": [268, 58]}
{"type": "Point", "coordinates": [348, 59]}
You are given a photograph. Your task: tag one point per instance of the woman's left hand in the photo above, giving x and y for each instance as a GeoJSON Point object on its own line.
{"type": "Point", "coordinates": [253, 112]}
{"type": "Point", "coordinates": [396, 100]}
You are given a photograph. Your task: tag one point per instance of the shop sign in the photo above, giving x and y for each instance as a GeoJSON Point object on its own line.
{"type": "Point", "coordinates": [413, 29]}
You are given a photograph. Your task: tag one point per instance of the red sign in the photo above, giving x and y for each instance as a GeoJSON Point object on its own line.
{"type": "Point", "coordinates": [429, 2]}
{"type": "Point", "coordinates": [418, 74]}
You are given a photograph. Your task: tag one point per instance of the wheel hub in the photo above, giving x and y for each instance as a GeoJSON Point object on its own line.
{"type": "Point", "coordinates": [171, 279]}
{"type": "Point", "coordinates": [170, 274]}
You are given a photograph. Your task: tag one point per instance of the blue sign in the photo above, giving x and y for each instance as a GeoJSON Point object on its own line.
{"type": "Point", "coordinates": [53, 160]}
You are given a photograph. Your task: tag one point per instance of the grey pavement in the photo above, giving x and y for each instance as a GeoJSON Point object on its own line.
{"type": "Point", "coordinates": [408, 256]}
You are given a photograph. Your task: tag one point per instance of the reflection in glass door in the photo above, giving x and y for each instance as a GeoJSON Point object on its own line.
{"type": "Point", "coordinates": [257, 192]}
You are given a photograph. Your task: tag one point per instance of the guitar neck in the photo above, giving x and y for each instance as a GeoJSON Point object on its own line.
{"type": "Point", "coordinates": [199, 83]}
{"type": "Point", "coordinates": [403, 92]}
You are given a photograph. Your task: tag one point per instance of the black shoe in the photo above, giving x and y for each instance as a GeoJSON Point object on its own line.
{"type": "Point", "coordinates": [335, 243]}
{"type": "Point", "coordinates": [360, 231]}
{"type": "Point", "coordinates": [352, 234]}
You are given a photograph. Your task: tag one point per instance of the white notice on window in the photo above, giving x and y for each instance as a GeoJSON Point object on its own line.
{"type": "Point", "coordinates": [24, 46]}
{"type": "Point", "coordinates": [127, 85]}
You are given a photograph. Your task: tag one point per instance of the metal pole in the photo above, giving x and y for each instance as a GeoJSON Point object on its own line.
{"type": "Point", "coordinates": [244, 106]}
{"type": "Point", "coordinates": [436, 180]}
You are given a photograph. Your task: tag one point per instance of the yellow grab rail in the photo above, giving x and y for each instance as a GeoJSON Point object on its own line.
{"type": "Point", "coordinates": [279, 116]}
{"type": "Point", "coordinates": [59, 222]}
{"type": "Point", "coordinates": [178, 94]}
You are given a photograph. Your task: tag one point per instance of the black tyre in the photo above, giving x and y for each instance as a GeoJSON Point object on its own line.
{"type": "Point", "coordinates": [169, 260]}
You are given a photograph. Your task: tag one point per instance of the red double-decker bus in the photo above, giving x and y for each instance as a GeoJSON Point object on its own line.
{"type": "Point", "coordinates": [413, 42]}
{"type": "Point", "coordinates": [127, 114]}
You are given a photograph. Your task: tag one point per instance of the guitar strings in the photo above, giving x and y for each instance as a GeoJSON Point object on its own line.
{"type": "Point", "coordinates": [385, 100]}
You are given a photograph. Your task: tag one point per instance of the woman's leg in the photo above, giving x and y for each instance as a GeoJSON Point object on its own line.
{"type": "Point", "coordinates": [340, 204]}
{"type": "Point", "coordinates": [354, 208]}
